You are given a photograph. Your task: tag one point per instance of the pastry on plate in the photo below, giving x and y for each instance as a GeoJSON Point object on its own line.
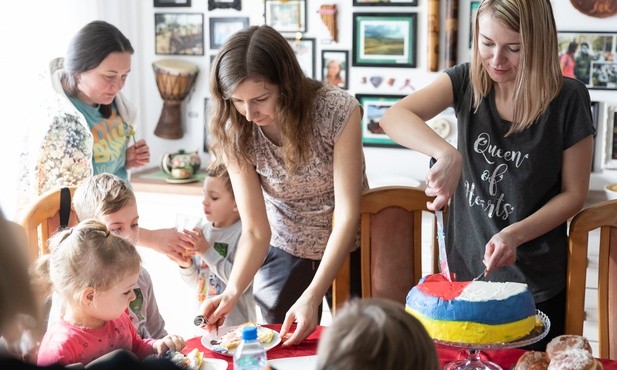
{"type": "Point", "coordinates": [532, 360]}
{"type": "Point", "coordinates": [190, 361]}
{"type": "Point", "coordinates": [233, 338]}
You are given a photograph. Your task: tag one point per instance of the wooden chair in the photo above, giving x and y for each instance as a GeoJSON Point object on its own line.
{"type": "Point", "coordinates": [390, 244]}
{"type": "Point", "coordinates": [601, 216]}
{"type": "Point", "coordinates": [42, 219]}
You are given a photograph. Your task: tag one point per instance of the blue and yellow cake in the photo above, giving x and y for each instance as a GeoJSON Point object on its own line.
{"type": "Point", "coordinates": [472, 311]}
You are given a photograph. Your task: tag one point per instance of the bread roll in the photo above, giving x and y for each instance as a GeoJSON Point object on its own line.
{"type": "Point", "coordinates": [567, 342]}
{"type": "Point", "coordinates": [574, 359]}
{"type": "Point", "coordinates": [532, 360]}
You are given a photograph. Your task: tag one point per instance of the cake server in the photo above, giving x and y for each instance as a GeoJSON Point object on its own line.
{"type": "Point", "coordinates": [441, 242]}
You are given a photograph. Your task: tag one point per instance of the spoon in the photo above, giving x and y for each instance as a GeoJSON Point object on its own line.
{"type": "Point", "coordinates": [201, 320]}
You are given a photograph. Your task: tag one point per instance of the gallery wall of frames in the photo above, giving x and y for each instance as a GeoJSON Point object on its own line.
{"type": "Point", "coordinates": [380, 51]}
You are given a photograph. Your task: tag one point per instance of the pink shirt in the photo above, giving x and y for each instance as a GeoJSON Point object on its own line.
{"type": "Point", "coordinates": [66, 344]}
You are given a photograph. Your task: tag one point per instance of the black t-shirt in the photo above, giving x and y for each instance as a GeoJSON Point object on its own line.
{"type": "Point", "coordinates": [506, 179]}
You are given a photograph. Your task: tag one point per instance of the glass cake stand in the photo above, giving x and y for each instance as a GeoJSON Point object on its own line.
{"type": "Point", "coordinates": [473, 360]}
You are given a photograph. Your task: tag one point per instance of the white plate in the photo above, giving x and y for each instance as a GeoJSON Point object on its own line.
{"type": "Point", "coordinates": [294, 363]}
{"type": "Point", "coordinates": [209, 336]}
{"type": "Point", "coordinates": [213, 364]}
{"type": "Point", "coordinates": [181, 181]}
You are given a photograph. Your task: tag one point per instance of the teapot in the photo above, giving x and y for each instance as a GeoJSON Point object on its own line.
{"type": "Point", "coordinates": [181, 165]}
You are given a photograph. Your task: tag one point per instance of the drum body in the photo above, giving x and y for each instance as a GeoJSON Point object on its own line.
{"type": "Point", "coordinates": [174, 79]}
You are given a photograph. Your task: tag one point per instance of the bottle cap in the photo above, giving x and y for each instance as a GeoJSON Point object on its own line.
{"type": "Point", "coordinates": [249, 333]}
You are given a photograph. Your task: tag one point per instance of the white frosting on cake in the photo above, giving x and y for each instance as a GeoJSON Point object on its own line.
{"type": "Point", "coordinates": [482, 291]}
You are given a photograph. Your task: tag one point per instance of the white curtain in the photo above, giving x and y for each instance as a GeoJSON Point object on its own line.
{"type": "Point", "coordinates": [34, 32]}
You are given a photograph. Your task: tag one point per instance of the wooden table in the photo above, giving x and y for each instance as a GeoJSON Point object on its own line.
{"type": "Point", "coordinates": [505, 358]}
{"type": "Point", "coordinates": [152, 180]}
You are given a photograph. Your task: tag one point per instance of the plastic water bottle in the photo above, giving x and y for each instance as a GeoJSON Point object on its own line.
{"type": "Point", "coordinates": [250, 355]}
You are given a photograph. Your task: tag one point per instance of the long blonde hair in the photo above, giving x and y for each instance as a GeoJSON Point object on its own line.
{"type": "Point", "coordinates": [539, 77]}
{"type": "Point", "coordinates": [261, 52]}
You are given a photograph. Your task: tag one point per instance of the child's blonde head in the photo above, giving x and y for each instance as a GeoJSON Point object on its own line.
{"type": "Point", "coordinates": [376, 334]}
{"type": "Point", "coordinates": [89, 256]}
{"type": "Point", "coordinates": [101, 195]}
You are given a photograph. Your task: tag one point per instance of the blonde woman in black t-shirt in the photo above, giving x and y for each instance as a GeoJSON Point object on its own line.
{"type": "Point", "coordinates": [523, 157]}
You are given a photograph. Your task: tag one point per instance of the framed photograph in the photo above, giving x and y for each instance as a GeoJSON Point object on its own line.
{"type": "Point", "coordinates": [374, 107]}
{"type": "Point", "coordinates": [171, 3]}
{"type": "Point", "coordinates": [384, 39]}
{"type": "Point", "coordinates": [179, 33]}
{"type": "Point", "coordinates": [304, 49]}
{"type": "Point", "coordinates": [286, 15]}
{"type": "Point", "coordinates": [223, 27]}
{"type": "Point", "coordinates": [610, 144]}
{"type": "Point", "coordinates": [589, 57]}
{"type": "Point", "coordinates": [335, 67]}
{"type": "Point", "coordinates": [595, 111]}
{"type": "Point", "coordinates": [224, 4]}
{"type": "Point", "coordinates": [206, 123]}
{"type": "Point", "coordinates": [473, 11]}
{"type": "Point", "coordinates": [385, 2]}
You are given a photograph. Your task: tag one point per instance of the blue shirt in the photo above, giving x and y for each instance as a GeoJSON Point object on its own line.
{"type": "Point", "coordinates": [110, 139]}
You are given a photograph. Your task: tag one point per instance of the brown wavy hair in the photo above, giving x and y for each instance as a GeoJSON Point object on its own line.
{"type": "Point", "coordinates": [539, 76]}
{"type": "Point", "coordinates": [261, 52]}
{"type": "Point", "coordinates": [376, 333]}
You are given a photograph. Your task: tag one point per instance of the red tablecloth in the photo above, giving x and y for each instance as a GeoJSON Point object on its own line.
{"type": "Point", "coordinates": [505, 358]}
{"type": "Point", "coordinates": [307, 348]}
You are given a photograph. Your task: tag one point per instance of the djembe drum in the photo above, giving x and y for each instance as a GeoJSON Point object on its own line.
{"type": "Point", "coordinates": [174, 79]}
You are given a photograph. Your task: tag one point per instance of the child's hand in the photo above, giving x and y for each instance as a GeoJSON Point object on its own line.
{"type": "Point", "coordinates": [166, 241]}
{"type": "Point", "coordinates": [167, 343]}
{"type": "Point", "coordinates": [197, 239]}
{"type": "Point", "coordinates": [182, 259]}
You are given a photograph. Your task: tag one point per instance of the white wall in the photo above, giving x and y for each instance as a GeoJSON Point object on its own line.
{"type": "Point", "coordinates": [37, 30]}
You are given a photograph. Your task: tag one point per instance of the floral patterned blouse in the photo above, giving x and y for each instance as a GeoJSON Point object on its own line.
{"type": "Point", "coordinates": [300, 207]}
{"type": "Point", "coordinates": [58, 148]}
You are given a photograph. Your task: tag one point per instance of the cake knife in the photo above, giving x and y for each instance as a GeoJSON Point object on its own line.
{"type": "Point", "coordinates": [441, 242]}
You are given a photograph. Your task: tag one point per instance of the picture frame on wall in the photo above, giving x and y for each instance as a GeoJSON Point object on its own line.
{"type": "Point", "coordinates": [304, 49]}
{"type": "Point", "coordinates": [223, 27]}
{"type": "Point", "coordinates": [473, 11]}
{"type": "Point", "coordinates": [384, 40]}
{"type": "Point", "coordinates": [590, 57]}
{"type": "Point", "coordinates": [385, 3]}
{"type": "Point", "coordinates": [610, 142]}
{"type": "Point", "coordinates": [595, 112]}
{"type": "Point", "coordinates": [286, 15]}
{"type": "Point", "coordinates": [171, 3]}
{"type": "Point", "coordinates": [374, 107]}
{"type": "Point", "coordinates": [179, 33]}
{"type": "Point", "coordinates": [224, 4]}
{"type": "Point", "coordinates": [335, 67]}
{"type": "Point", "coordinates": [206, 124]}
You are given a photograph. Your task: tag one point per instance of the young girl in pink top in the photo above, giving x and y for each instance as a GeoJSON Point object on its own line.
{"type": "Point", "coordinates": [94, 272]}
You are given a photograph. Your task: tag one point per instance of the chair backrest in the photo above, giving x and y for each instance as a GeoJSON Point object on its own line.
{"type": "Point", "coordinates": [42, 219]}
{"type": "Point", "coordinates": [390, 244]}
{"type": "Point", "coordinates": [602, 216]}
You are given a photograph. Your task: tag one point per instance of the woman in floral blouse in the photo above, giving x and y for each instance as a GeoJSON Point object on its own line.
{"type": "Point", "coordinates": [87, 126]}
